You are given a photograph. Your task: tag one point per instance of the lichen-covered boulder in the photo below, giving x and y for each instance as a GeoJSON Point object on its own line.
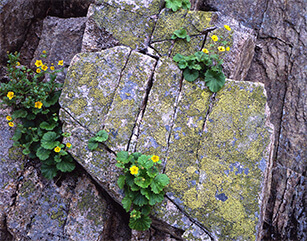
{"type": "Point", "coordinates": [215, 147]}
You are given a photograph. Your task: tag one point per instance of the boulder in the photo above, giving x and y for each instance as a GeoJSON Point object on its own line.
{"type": "Point", "coordinates": [216, 148]}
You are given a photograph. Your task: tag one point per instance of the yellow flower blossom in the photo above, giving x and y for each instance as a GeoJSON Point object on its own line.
{"type": "Point", "coordinates": [38, 63]}
{"type": "Point", "coordinates": [221, 48]}
{"type": "Point", "coordinates": [38, 104]}
{"type": "Point", "coordinates": [60, 62]}
{"type": "Point", "coordinates": [227, 27]}
{"type": "Point", "coordinates": [44, 67]}
{"type": "Point", "coordinates": [18, 64]}
{"type": "Point", "coordinates": [206, 51]}
{"type": "Point", "coordinates": [68, 145]}
{"type": "Point", "coordinates": [11, 124]}
{"type": "Point", "coordinates": [134, 170]}
{"type": "Point", "coordinates": [227, 48]}
{"type": "Point", "coordinates": [57, 149]}
{"type": "Point", "coordinates": [10, 95]}
{"type": "Point", "coordinates": [9, 118]}
{"type": "Point", "coordinates": [44, 51]}
{"type": "Point", "coordinates": [155, 158]}
{"type": "Point", "coordinates": [38, 71]}
{"type": "Point", "coordinates": [52, 67]}
{"type": "Point", "coordinates": [214, 38]}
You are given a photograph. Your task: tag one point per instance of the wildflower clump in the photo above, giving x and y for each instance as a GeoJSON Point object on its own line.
{"type": "Point", "coordinates": [35, 103]}
{"type": "Point", "coordinates": [143, 186]}
{"type": "Point", "coordinates": [207, 64]}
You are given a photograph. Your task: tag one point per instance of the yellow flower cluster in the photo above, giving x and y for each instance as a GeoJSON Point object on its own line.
{"type": "Point", "coordinates": [9, 118]}
{"type": "Point", "coordinates": [41, 66]}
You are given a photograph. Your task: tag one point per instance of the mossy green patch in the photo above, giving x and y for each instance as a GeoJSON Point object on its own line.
{"type": "Point", "coordinates": [221, 178]}
{"type": "Point", "coordinates": [194, 22]}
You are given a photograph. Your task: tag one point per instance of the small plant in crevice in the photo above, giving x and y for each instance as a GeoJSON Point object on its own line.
{"type": "Point", "coordinates": [143, 186]}
{"type": "Point", "coordinates": [100, 137]}
{"type": "Point", "coordinates": [177, 4]}
{"type": "Point", "coordinates": [182, 34]}
{"type": "Point", "coordinates": [35, 104]}
{"type": "Point", "coordinates": [206, 64]}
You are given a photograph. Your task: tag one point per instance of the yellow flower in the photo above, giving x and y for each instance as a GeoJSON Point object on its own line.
{"type": "Point", "coordinates": [38, 104]}
{"type": "Point", "coordinates": [155, 158]}
{"type": "Point", "coordinates": [10, 95]}
{"type": "Point", "coordinates": [44, 67]}
{"type": "Point", "coordinates": [38, 71]}
{"type": "Point", "coordinates": [134, 170]}
{"type": "Point", "coordinates": [60, 62]}
{"type": "Point", "coordinates": [11, 124]}
{"type": "Point", "coordinates": [44, 51]}
{"type": "Point", "coordinates": [205, 51]}
{"type": "Point", "coordinates": [215, 38]}
{"type": "Point", "coordinates": [221, 48]}
{"type": "Point", "coordinates": [227, 48]}
{"type": "Point", "coordinates": [38, 63]}
{"type": "Point", "coordinates": [227, 27]}
{"type": "Point", "coordinates": [57, 149]}
{"type": "Point", "coordinates": [52, 67]}
{"type": "Point", "coordinates": [9, 118]}
{"type": "Point", "coordinates": [68, 145]}
{"type": "Point", "coordinates": [17, 63]}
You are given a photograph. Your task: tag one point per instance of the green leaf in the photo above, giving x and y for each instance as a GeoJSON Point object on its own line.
{"type": "Point", "coordinates": [145, 161]}
{"type": "Point", "coordinates": [140, 224]}
{"type": "Point", "coordinates": [173, 4]}
{"type": "Point", "coordinates": [17, 135]}
{"type": "Point", "coordinates": [42, 153]}
{"type": "Point", "coordinates": [49, 171]}
{"type": "Point", "coordinates": [65, 165]}
{"type": "Point", "coordinates": [155, 198]}
{"type": "Point", "coordinates": [102, 136]}
{"type": "Point", "coordinates": [122, 156]}
{"type": "Point", "coordinates": [52, 99]}
{"type": "Point", "coordinates": [215, 80]}
{"type": "Point", "coordinates": [26, 151]}
{"type": "Point", "coordinates": [181, 33]}
{"type": "Point", "coordinates": [46, 126]}
{"type": "Point", "coordinates": [152, 172]}
{"type": "Point", "coordinates": [146, 210]}
{"type": "Point", "coordinates": [121, 181]}
{"type": "Point", "coordinates": [142, 182]}
{"type": "Point", "coordinates": [31, 116]}
{"type": "Point", "coordinates": [57, 158]}
{"type": "Point", "coordinates": [140, 200]}
{"type": "Point", "coordinates": [159, 182]}
{"type": "Point", "coordinates": [49, 140]}
{"type": "Point", "coordinates": [19, 114]}
{"type": "Point", "coordinates": [127, 203]}
{"type": "Point", "coordinates": [186, 4]}
{"type": "Point", "coordinates": [136, 155]}
{"type": "Point", "coordinates": [190, 75]}
{"type": "Point", "coordinates": [92, 144]}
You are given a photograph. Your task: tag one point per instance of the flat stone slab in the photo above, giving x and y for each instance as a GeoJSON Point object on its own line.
{"type": "Point", "coordinates": [215, 147]}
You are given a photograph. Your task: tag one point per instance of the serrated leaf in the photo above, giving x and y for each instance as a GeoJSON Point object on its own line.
{"type": "Point", "coordinates": [48, 171]}
{"type": "Point", "coordinates": [122, 156]}
{"type": "Point", "coordinates": [181, 33]}
{"type": "Point", "coordinates": [92, 144]}
{"type": "Point", "coordinates": [42, 153]}
{"type": "Point", "coordinates": [142, 182]}
{"type": "Point", "coordinates": [215, 80]}
{"type": "Point", "coordinates": [49, 140]}
{"type": "Point", "coordinates": [159, 182]}
{"type": "Point", "coordinates": [173, 4]}
{"type": "Point", "coordinates": [126, 201]}
{"type": "Point", "coordinates": [103, 135]}
{"type": "Point", "coordinates": [121, 181]}
{"type": "Point", "coordinates": [190, 75]}
{"type": "Point", "coordinates": [52, 99]}
{"type": "Point", "coordinates": [57, 158]}
{"type": "Point", "coordinates": [146, 210]}
{"type": "Point", "coordinates": [26, 151]}
{"type": "Point", "coordinates": [152, 172]}
{"type": "Point", "coordinates": [17, 135]}
{"type": "Point", "coordinates": [145, 161]}
{"type": "Point", "coordinates": [140, 200]}
{"type": "Point", "coordinates": [65, 166]}
{"type": "Point", "coordinates": [155, 198]}
{"type": "Point", "coordinates": [186, 4]}
{"type": "Point", "coordinates": [140, 224]}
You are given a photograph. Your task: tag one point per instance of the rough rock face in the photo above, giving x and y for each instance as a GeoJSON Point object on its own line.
{"type": "Point", "coordinates": [280, 64]}
{"type": "Point", "coordinates": [143, 109]}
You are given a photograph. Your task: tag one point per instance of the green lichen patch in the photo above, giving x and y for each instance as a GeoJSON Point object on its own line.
{"type": "Point", "coordinates": [142, 7]}
{"type": "Point", "coordinates": [230, 164]}
{"type": "Point", "coordinates": [194, 22]}
{"type": "Point", "coordinates": [90, 85]}
{"type": "Point", "coordinates": [129, 28]}
{"type": "Point", "coordinates": [157, 121]}
{"type": "Point", "coordinates": [128, 100]}
{"type": "Point", "coordinates": [182, 163]}
{"type": "Point", "coordinates": [162, 48]}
